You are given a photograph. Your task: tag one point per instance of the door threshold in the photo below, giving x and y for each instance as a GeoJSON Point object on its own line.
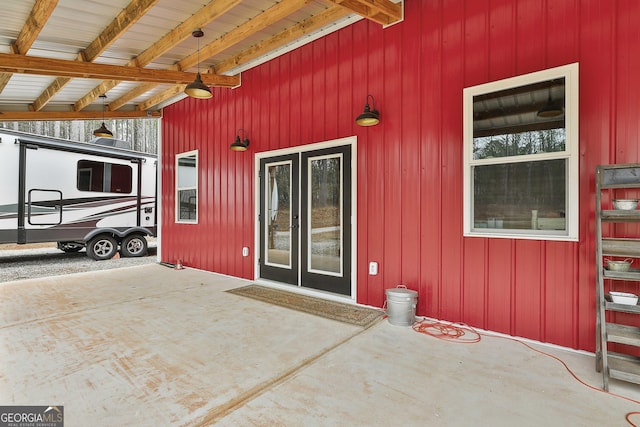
{"type": "Point", "coordinates": [307, 291]}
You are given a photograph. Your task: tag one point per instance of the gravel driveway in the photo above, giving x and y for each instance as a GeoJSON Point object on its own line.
{"type": "Point", "coordinates": [18, 262]}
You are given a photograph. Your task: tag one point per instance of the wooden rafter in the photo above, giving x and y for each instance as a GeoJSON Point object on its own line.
{"type": "Point", "coordinates": [287, 36]}
{"type": "Point", "coordinates": [39, 15]}
{"type": "Point", "coordinates": [109, 76]}
{"type": "Point", "coordinates": [208, 13]}
{"type": "Point", "coordinates": [161, 97]}
{"type": "Point", "coordinates": [76, 115]}
{"type": "Point", "coordinates": [125, 19]}
{"type": "Point", "coordinates": [88, 70]}
{"type": "Point", "coordinates": [272, 15]}
{"type": "Point", "coordinates": [383, 12]}
{"type": "Point", "coordinates": [139, 90]}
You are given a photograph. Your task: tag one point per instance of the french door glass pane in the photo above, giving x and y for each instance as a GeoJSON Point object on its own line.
{"type": "Point", "coordinates": [326, 222]}
{"type": "Point", "coordinates": [278, 200]}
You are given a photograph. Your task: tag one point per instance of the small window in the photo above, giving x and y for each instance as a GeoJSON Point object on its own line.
{"type": "Point", "coordinates": [101, 177]}
{"type": "Point", "coordinates": [521, 156]}
{"type": "Point", "coordinates": [187, 187]}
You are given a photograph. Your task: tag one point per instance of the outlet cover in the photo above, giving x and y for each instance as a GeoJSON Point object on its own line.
{"type": "Point", "coordinates": [373, 268]}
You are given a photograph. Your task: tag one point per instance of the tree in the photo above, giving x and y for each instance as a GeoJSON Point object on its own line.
{"type": "Point", "coordinates": [142, 134]}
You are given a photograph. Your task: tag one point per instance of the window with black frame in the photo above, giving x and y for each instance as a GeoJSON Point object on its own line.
{"type": "Point", "coordinates": [103, 177]}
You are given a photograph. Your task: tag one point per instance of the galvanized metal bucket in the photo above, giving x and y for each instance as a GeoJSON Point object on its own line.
{"type": "Point", "coordinates": [401, 305]}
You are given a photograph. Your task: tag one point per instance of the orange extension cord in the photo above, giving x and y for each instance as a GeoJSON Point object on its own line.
{"type": "Point", "coordinates": [464, 334]}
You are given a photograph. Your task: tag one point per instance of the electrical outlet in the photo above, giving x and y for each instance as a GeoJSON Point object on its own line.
{"type": "Point", "coordinates": [245, 251]}
{"type": "Point", "coordinates": [373, 268]}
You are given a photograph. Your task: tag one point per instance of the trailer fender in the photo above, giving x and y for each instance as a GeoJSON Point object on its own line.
{"type": "Point", "coordinates": [118, 234]}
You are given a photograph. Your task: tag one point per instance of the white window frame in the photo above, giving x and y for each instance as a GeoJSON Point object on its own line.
{"type": "Point", "coordinates": [571, 153]}
{"type": "Point", "coordinates": [194, 187]}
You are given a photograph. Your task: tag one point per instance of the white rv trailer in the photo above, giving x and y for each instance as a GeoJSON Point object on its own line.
{"type": "Point", "coordinates": [77, 194]}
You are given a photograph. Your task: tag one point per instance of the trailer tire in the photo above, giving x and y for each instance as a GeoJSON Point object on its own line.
{"type": "Point", "coordinates": [102, 247]}
{"type": "Point", "coordinates": [134, 245]}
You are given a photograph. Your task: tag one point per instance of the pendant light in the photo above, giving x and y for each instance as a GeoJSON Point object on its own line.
{"type": "Point", "coordinates": [551, 109]}
{"type": "Point", "coordinates": [369, 117]}
{"type": "Point", "coordinates": [238, 145]}
{"type": "Point", "coordinates": [197, 89]}
{"type": "Point", "coordinates": [102, 130]}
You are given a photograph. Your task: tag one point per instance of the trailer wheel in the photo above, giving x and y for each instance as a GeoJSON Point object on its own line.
{"type": "Point", "coordinates": [134, 245]}
{"type": "Point", "coordinates": [102, 247]}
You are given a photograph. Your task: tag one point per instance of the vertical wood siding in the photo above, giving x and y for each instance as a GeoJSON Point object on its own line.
{"type": "Point", "coordinates": [410, 166]}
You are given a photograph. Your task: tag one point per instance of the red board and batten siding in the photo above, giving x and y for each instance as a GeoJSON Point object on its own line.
{"type": "Point", "coordinates": [410, 166]}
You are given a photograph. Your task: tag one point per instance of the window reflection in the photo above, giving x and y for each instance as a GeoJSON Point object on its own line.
{"type": "Point", "coordinates": [521, 121]}
{"type": "Point", "coordinates": [187, 188]}
{"type": "Point", "coordinates": [325, 241]}
{"type": "Point", "coordinates": [278, 202]}
{"type": "Point", "coordinates": [529, 195]}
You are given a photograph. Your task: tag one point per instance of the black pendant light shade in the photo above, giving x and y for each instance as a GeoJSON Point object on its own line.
{"type": "Point", "coordinates": [197, 89]}
{"type": "Point", "coordinates": [102, 131]}
{"type": "Point", "coordinates": [369, 117]}
{"type": "Point", "coordinates": [238, 145]}
{"type": "Point", "coordinates": [551, 108]}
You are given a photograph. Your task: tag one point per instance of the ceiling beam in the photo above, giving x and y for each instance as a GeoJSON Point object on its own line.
{"type": "Point", "coordinates": [269, 17]}
{"type": "Point", "coordinates": [161, 97]}
{"type": "Point", "coordinates": [383, 12]}
{"type": "Point", "coordinates": [289, 35]}
{"type": "Point", "coordinates": [76, 115]}
{"type": "Point", "coordinates": [125, 19]}
{"type": "Point", "coordinates": [4, 79]}
{"type": "Point", "coordinates": [137, 91]}
{"type": "Point", "coordinates": [88, 70]}
{"type": "Point", "coordinates": [309, 25]}
{"type": "Point", "coordinates": [275, 13]}
{"type": "Point", "coordinates": [39, 15]}
{"type": "Point", "coordinates": [208, 13]}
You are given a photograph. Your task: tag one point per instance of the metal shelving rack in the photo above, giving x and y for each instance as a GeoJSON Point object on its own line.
{"type": "Point", "coordinates": [615, 179]}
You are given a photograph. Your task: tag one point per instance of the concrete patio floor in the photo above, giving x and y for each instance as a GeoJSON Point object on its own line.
{"type": "Point", "coordinates": [152, 346]}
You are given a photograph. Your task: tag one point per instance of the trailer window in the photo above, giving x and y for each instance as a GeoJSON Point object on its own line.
{"type": "Point", "coordinates": [187, 187]}
{"type": "Point", "coordinates": [102, 177]}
